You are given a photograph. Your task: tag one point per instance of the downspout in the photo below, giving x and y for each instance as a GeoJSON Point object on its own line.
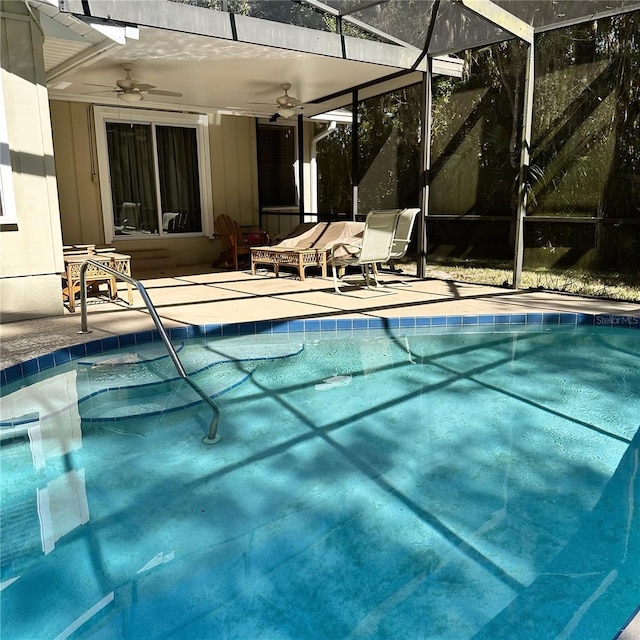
{"type": "Point", "coordinates": [314, 164]}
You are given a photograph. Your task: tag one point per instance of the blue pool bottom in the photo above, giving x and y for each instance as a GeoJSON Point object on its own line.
{"type": "Point", "coordinates": [393, 486]}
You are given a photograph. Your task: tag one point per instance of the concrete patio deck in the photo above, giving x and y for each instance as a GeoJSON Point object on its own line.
{"type": "Point", "coordinates": [198, 296]}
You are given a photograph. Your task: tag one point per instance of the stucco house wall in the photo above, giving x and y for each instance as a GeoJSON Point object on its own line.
{"type": "Point", "coordinates": [31, 248]}
{"type": "Point", "coordinates": [234, 184]}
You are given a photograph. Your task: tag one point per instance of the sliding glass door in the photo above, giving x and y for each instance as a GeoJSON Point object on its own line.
{"type": "Point", "coordinates": [154, 177]}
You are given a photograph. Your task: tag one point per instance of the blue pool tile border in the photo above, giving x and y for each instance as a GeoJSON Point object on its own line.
{"type": "Point", "coordinates": [333, 326]}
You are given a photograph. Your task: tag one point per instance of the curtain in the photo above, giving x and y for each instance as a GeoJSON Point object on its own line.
{"type": "Point", "coordinates": [179, 178]}
{"type": "Point", "coordinates": [132, 178]}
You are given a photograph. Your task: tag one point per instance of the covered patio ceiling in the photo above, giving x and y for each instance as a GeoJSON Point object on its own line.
{"type": "Point", "coordinates": [221, 61]}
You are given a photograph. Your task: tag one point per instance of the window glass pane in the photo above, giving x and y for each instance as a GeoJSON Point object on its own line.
{"type": "Point", "coordinates": [476, 134]}
{"type": "Point", "coordinates": [586, 148]}
{"type": "Point", "coordinates": [284, 11]}
{"type": "Point", "coordinates": [546, 14]}
{"type": "Point", "coordinates": [475, 157]}
{"type": "Point", "coordinates": [133, 189]}
{"type": "Point", "coordinates": [276, 165]}
{"type": "Point", "coordinates": [335, 192]}
{"type": "Point", "coordinates": [7, 198]}
{"type": "Point", "coordinates": [389, 150]}
{"type": "Point", "coordinates": [586, 141]}
{"type": "Point", "coordinates": [407, 21]}
{"type": "Point", "coordinates": [179, 179]}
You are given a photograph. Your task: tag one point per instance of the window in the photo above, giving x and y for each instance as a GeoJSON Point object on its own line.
{"type": "Point", "coordinates": [157, 182]}
{"type": "Point", "coordinates": [277, 165]}
{"type": "Point", "coordinates": [7, 198]}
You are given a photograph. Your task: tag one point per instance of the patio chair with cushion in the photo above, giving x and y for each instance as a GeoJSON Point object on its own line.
{"type": "Point", "coordinates": [376, 246]}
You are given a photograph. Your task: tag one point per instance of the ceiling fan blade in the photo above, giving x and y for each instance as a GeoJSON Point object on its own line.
{"type": "Point", "coordinates": [288, 101]}
{"type": "Point", "coordinates": [93, 84]}
{"type": "Point", "coordinates": [160, 92]}
{"type": "Point", "coordinates": [127, 83]}
{"type": "Point", "coordinates": [141, 86]}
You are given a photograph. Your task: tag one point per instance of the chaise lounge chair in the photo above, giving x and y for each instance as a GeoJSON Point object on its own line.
{"type": "Point", "coordinates": [307, 246]}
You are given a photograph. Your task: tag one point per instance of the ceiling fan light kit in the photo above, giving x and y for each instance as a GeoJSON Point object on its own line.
{"type": "Point", "coordinates": [130, 96]}
{"type": "Point", "coordinates": [286, 112]}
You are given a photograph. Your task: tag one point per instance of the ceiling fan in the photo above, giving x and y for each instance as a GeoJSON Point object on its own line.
{"type": "Point", "coordinates": [129, 89]}
{"type": "Point", "coordinates": [286, 105]}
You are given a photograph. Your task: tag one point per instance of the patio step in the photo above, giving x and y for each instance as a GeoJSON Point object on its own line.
{"type": "Point", "coordinates": [150, 261]}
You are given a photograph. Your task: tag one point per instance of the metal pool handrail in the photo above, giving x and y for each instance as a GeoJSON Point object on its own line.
{"type": "Point", "coordinates": [213, 436]}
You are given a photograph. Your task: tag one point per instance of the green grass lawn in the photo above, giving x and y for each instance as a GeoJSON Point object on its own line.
{"type": "Point", "coordinates": [614, 286]}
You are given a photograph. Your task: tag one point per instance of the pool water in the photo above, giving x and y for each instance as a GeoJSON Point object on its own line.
{"type": "Point", "coordinates": [367, 485]}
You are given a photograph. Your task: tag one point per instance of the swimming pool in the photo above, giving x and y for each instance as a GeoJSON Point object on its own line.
{"type": "Point", "coordinates": [432, 478]}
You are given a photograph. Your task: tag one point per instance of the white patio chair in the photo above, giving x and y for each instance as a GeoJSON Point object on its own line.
{"type": "Point", "coordinates": [402, 236]}
{"type": "Point", "coordinates": [402, 239]}
{"type": "Point", "coordinates": [130, 215]}
{"type": "Point", "coordinates": [377, 241]}
{"type": "Point", "coordinates": [169, 221]}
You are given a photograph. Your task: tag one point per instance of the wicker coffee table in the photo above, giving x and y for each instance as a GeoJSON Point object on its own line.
{"type": "Point", "coordinates": [73, 261]}
{"type": "Point", "coordinates": [300, 259]}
